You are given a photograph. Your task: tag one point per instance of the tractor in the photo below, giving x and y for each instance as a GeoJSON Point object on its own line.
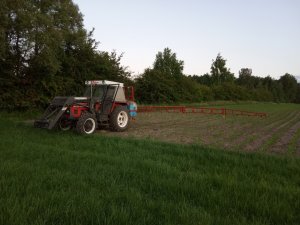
{"type": "Point", "coordinates": [104, 104]}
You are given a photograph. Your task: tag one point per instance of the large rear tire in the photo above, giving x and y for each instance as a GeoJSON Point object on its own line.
{"type": "Point", "coordinates": [119, 119]}
{"type": "Point", "coordinates": [86, 124]}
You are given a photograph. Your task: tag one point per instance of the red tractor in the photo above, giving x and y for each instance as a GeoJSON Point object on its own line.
{"type": "Point", "coordinates": [104, 103]}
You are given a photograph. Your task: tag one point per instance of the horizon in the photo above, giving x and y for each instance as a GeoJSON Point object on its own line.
{"type": "Point", "coordinates": [254, 34]}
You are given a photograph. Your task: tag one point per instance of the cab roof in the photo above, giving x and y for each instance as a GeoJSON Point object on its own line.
{"type": "Point", "coordinates": [103, 82]}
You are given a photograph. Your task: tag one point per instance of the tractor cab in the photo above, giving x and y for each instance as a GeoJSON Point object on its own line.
{"type": "Point", "coordinates": [105, 95]}
{"type": "Point", "coordinates": [101, 89]}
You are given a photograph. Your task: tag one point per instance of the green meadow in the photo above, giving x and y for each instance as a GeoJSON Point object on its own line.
{"type": "Point", "coordinates": [51, 177]}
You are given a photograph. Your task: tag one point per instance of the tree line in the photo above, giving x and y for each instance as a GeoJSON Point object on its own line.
{"type": "Point", "coordinates": [45, 51]}
{"type": "Point", "coordinates": [166, 83]}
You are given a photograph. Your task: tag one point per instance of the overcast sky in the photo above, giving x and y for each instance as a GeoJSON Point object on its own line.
{"type": "Point", "coordinates": [260, 34]}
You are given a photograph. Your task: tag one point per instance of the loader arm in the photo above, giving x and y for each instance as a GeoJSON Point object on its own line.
{"type": "Point", "coordinates": [54, 112]}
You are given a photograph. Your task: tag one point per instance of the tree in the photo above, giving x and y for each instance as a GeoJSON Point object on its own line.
{"type": "Point", "coordinates": [160, 84]}
{"type": "Point", "coordinates": [219, 72]}
{"type": "Point", "coordinates": [245, 78]}
{"type": "Point", "coordinates": [165, 82]}
{"type": "Point", "coordinates": [154, 87]}
{"type": "Point", "coordinates": [205, 79]}
{"type": "Point", "coordinates": [245, 72]}
{"type": "Point", "coordinates": [297, 100]}
{"type": "Point", "coordinates": [167, 63]}
{"type": "Point", "coordinates": [289, 85]}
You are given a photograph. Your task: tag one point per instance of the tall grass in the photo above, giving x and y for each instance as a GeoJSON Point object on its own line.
{"type": "Point", "coordinates": [62, 178]}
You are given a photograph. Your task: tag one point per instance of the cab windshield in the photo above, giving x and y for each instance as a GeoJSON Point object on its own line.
{"type": "Point", "coordinates": [99, 91]}
{"type": "Point", "coordinates": [95, 91]}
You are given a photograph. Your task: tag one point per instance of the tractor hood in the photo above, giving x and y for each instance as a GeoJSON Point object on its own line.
{"type": "Point", "coordinates": [62, 100]}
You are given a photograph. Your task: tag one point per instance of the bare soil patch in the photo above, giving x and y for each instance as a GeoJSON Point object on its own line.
{"type": "Point", "coordinates": [212, 130]}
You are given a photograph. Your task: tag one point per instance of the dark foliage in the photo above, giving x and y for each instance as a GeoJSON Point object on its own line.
{"type": "Point", "coordinates": [45, 51]}
{"type": "Point", "coordinates": [166, 83]}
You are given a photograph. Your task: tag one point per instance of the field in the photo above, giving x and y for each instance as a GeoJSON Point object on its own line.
{"type": "Point", "coordinates": [52, 177]}
{"type": "Point", "coordinates": [279, 132]}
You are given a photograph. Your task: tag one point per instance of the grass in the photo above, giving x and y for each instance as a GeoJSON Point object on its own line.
{"type": "Point", "coordinates": [62, 178]}
{"type": "Point", "coordinates": [276, 132]}
{"type": "Point", "coordinates": [293, 144]}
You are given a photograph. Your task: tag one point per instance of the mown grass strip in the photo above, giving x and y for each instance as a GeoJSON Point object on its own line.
{"type": "Point", "coordinates": [271, 134]}
{"type": "Point", "coordinates": [278, 133]}
{"type": "Point", "coordinates": [258, 129]}
{"type": "Point", "coordinates": [292, 147]}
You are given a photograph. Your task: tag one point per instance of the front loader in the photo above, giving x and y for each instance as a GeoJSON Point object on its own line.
{"type": "Point", "coordinates": [104, 103]}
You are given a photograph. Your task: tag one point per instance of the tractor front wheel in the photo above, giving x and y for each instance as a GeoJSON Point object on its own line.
{"type": "Point", "coordinates": [119, 119]}
{"type": "Point", "coordinates": [64, 124]}
{"type": "Point", "coordinates": [86, 124]}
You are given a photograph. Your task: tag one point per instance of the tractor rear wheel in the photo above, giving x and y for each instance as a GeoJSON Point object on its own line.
{"type": "Point", "coordinates": [119, 119]}
{"type": "Point", "coordinates": [86, 124]}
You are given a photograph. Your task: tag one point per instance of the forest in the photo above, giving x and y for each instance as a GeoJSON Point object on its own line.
{"type": "Point", "coordinates": [45, 51]}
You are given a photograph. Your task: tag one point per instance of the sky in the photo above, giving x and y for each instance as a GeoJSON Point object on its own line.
{"type": "Point", "coordinates": [263, 35]}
